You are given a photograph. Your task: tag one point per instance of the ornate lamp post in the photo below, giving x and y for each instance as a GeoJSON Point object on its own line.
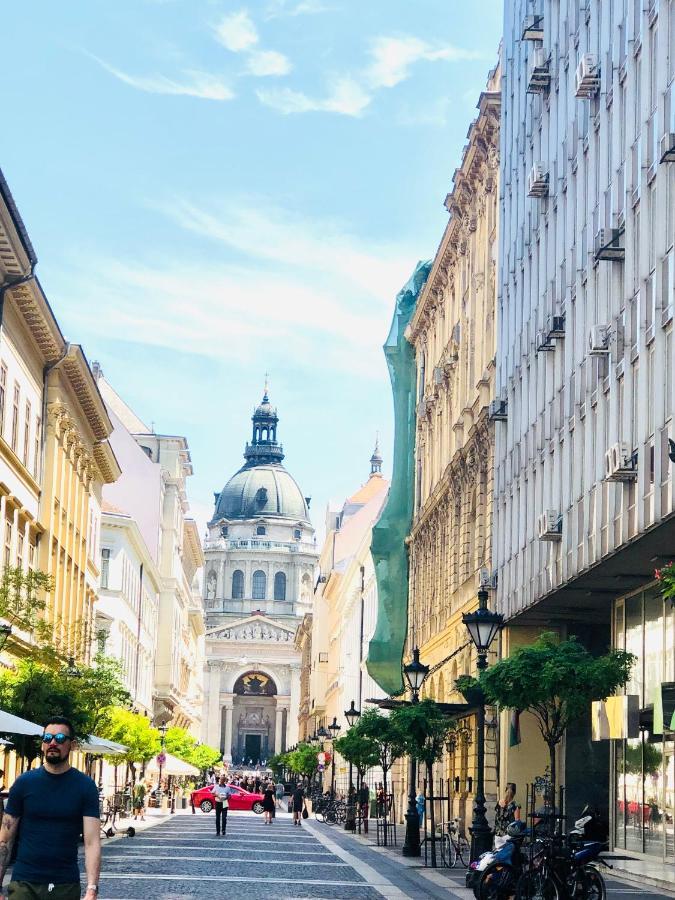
{"type": "Point", "coordinates": [483, 626]}
{"type": "Point", "coordinates": [161, 759]}
{"type": "Point", "coordinates": [414, 672]}
{"type": "Point", "coordinates": [322, 735]}
{"type": "Point", "coordinates": [334, 728]}
{"type": "Point", "coordinates": [352, 715]}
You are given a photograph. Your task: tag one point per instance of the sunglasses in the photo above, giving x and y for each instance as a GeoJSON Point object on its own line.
{"type": "Point", "coordinates": [60, 738]}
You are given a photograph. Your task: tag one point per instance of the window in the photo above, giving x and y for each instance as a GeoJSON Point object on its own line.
{"type": "Point", "coordinates": [15, 416]}
{"type": "Point", "coordinates": [19, 550]}
{"type": "Point", "coordinates": [261, 530]}
{"type": "Point", "coordinates": [105, 567]}
{"type": "Point", "coordinates": [297, 534]}
{"type": "Point", "coordinates": [8, 543]}
{"type": "Point", "coordinates": [237, 585]}
{"type": "Point", "coordinates": [37, 439]}
{"type": "Point", "coordinates": [3, 388]}
{"type": "Point", "coordinates": [259, 585]}
{"type": "Point", "coordinates": [26, 434]}
{"type": "Point", "coordinates": [280, 586]}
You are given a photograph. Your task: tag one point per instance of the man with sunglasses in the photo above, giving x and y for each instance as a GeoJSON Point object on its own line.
{"type": "Point", "coordinates": [53, 805]}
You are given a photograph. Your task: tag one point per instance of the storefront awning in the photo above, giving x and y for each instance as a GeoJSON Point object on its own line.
{"type": "Point", "coordinates": [10, 724]}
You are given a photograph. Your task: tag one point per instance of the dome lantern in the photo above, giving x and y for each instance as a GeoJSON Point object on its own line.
{"type": "Point", "coordinates": [264, 448]}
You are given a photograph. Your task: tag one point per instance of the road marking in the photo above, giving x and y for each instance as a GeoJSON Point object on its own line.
{"type": "Point", "coordinates": [370, 875]}
{"type": "Point", "coordinates": [230, 859]}
{"type": "Point", "coordinates": [135, 876]}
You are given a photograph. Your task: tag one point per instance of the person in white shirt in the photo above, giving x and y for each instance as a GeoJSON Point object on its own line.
{"type": "Point", "coordinates": [221, 792]}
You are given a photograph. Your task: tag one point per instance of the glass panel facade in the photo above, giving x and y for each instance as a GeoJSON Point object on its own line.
{"type": "Point", "coordinates": [644, 767]}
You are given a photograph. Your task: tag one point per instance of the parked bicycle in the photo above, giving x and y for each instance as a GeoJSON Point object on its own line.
{"type": "Point", "coordinates": [454, 846]}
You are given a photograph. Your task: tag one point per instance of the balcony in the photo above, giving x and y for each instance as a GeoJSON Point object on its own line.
{"type": "Point", "coordinates": [258, 546]}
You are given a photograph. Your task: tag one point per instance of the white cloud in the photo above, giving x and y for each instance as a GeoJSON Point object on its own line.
{"type": "Point", "coordinates": [237, 32]}
{"type": "Point", "coordinates": [346, 97]}
{"type": "Point", "coordinates": [393, 58]}
{"type": "Point", "coordinates": [268, 62]}
{"type": "Point", "coordinates": [193, 84]}
{"type": "Point", "coordinates": [280, 8]}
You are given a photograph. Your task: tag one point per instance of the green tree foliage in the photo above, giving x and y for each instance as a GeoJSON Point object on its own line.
{"type": "Point", "coordinates": [359, 750]}
{"type": "Point", "coordinates": [555, 681]}
{"type": "Point", "coordinates": [640, 755]}
{"type": "Point", "coordinates": [203, 757]}
{"type": "Point", "coordinates": [277, 763]}
{"type": "Point", "coordinates": [387, 737]}
{"type": "Point", "coordinates": [179, 742]}
{"type": "Point", "coordinates": [426, 730]}
{"type": "Point", "coordinates": [136, 733]}
{"type": "Point", "coordinates": [303, 760]}
{"type": "Point", "coordinates": [99, 689]}
{"type": "Point", "coordinates": [22, 600]}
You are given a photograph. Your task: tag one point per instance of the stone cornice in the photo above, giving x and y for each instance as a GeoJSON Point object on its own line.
{"type": "Point", "coordinates": [76, 369]}
{"type": "Point", "coordinates": [106, 462]}
{"type": "Point", "coordinates": [473, 182]}
{"type": "Point", "coordinates": [34, 309]}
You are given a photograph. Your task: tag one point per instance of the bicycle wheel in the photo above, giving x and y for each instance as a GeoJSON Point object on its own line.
{"type": "Point", "coordinates": [330, 816]}
{"type": "Point", "coordinates": [462, 851]}
{"type": "Point", "coordinates": [593, 884]}
{"type": "Point", "coordinates": [537, 885]}
{"type": "Point", "coordinates": [497, 882]}
{"type": "Point", "coordinates": [341, 813]}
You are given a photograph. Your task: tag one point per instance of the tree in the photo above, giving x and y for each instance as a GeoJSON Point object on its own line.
{"type": "Point", "coordinates": [426, 730]}
{"type": "Point", "coordinates": [357, 749]}
{"type": "Point", "coordinates": [555, 681]}
{"type": "Point", "coordinates": [277, 763]}
{"type": "Point", "coordinates": [203, 757]}
{"type": "Point", "coordinates": [303, 760]}
{"type": "Point", "coordinates": [179, 742]}
{"type": "Point", "coordinates": [136, 733]}
{"type": "Point", "coordinates": [385, 734]}
{"type": "Point", "coordinates": [98, 690]}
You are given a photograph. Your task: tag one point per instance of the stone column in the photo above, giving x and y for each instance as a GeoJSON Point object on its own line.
{"type": "Point", "coordinates": [278, 727]}
{"type": "Point", "coordinates": [294, 710]}
{"type": "Point", "coordinates": [212, 735]}
{"type": "Point", "coordinates": [227, 740]}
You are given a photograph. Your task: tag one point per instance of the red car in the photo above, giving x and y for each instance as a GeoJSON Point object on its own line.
{"type": "Point", "coordinates": [239, 799]}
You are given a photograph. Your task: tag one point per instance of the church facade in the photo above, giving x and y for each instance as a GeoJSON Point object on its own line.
{"type": "Point", "coordinates": [260, 559]}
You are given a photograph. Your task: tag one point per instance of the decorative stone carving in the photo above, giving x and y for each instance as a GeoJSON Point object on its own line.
{"type": "Point", "coordinates": [255, 632]}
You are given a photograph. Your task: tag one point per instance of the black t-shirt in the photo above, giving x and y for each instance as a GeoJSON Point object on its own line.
{"type": "Point", "coordinates": [298, 797]}
{"type": "Point", "coordinates": [51, 808]}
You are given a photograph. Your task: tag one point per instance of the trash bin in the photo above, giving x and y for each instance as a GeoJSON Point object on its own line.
{"type": "Point", "coordinates": [184, 803]}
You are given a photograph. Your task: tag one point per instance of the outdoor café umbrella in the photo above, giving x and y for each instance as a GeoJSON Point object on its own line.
{"type": "Point", "coordinates": [10, 724]}
{"type": "Point", "coordinates": [99, 746]}
{"type": "Point", "coordinates": [172, 766]}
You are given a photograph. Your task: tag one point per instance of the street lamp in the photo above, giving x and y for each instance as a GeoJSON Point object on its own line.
{"type": "Point", "coordinates": [482, 625]}
{"type": "Point", "coordinates": [414, 672]}
{"type": "Point", "coordinates": [71, 670]}
{"type": "Point", "coordinates": [334, 729]}
{"type": "Point", "coordinates": [352, 715]}
{"type": "Point", "coordinates": [5, 631]}
{"type": "Point", "coordinates": [161, 758]}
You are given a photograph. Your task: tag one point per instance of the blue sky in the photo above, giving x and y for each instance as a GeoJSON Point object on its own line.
{"type": "Point", "coordinates": [216, 190]}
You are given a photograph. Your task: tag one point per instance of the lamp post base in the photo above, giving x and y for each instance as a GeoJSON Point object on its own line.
{"type": "Point", "coordinates": [411, 845]}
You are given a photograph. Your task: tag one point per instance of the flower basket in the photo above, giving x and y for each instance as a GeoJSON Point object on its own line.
{"type": "Point", "coordinates": [666, 578]}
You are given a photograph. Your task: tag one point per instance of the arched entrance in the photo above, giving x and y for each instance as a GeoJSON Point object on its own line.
{"type": "Point", "coordinates": [254, 718]}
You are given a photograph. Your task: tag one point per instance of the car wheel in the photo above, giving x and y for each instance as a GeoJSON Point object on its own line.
{"type": "Point", "coordinates": [206, 806]}
{"type": "Point", "coordinates": [257, 808]}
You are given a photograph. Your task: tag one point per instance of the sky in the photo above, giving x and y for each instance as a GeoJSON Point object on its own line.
{"type": "Point", "coordinates": [217, 190]}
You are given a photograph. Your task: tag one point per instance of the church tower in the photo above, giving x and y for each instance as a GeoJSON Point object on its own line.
{"type": "Point", "coordinates": [260, 555]}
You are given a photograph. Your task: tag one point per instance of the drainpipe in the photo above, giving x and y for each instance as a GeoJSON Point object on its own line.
{"type": "Point", "coordinates": [363, 603]}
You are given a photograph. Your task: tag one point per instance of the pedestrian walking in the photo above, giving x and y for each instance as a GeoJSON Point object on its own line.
{"type": "Point", "coordinates": [279, 791]}
{"type": "Point", "coordinates": [53, 804]}
{"type": "Point", "coordinates": [298, 803]}
{"type": "Point", "coordinates": [364, 805]}
{"type": "Point", "coordinates": [268, 803]}
{"type": "Point", "coordinates": [139, 801]}
{"type": "Point", "coordinates": [221, 792]}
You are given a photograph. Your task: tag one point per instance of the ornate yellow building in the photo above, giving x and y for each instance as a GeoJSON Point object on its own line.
{"type": "Point", "coordinates": [78, 460]}
{"type": "Point", "coordinates": [453, 332]}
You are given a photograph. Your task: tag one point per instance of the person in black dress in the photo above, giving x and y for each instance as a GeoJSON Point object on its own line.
{"type": "Point", "coordinates": [298, 803]}
{"type": "Point", "coordinates": [269, 803]}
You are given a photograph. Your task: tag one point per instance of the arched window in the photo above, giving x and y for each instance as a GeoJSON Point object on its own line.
{"type": "Point", "coordinates": [280, 586]}
{"type": "Point", "coordinates": [237, 585]}
{"type": "Point", "coordinates": [259, 585]}
{"type": "Point", "coordinates": [261, 530]}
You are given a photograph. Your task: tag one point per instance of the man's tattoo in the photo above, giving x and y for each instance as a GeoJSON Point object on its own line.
{"type": "Point", "coordinates": [7, 835]}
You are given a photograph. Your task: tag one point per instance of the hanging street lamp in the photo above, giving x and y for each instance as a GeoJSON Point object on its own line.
{"type": "Point", "coordinates": [334, 729]}
{"type": "Point", "coordinates": [414, 673]}
{"type": "Point", "coordinates": [352, 715]}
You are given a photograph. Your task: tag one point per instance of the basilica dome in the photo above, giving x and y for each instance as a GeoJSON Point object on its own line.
{"type": "Point", "coordinates": [265, 490]}
{"type": "Point", "coordinates": [262, 487]}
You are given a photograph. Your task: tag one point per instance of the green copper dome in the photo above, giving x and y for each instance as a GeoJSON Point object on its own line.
{"type": "Point", "coordinates": [263, 487]}
{"type": "Point", "coordinates": [267, 490]}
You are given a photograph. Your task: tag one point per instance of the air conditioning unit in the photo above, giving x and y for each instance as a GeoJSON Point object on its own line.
{"type": "Point", "coordinates": [533, 28]}
{"type": "Point", "coordinates": [556, 327]}
{"type": "Point", "coordinates": [549, 526]}
{"type": "Point", "coordinates": [497, 411]}
{"type": "Point", "coordinates": [598, 340]}
{"type": "Point", "coordinates": [543, 342]}
{"type": "Point", "coordinates": [487, 580]}
{"type": "Point", "coordinates": [439, 375]}
{"type": "Point", "coordinates": [667, 148]}
{"type": "Point", "coordinates": [608, 245]}
{"type": "Point", "coordinates": [537, 181]}
{"type": "Point", "coordinates": [539, 74]}
{"type": "Point", "coordinates": [620, 464]}
{"type": "Point", "coordinates": [587, 79]}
